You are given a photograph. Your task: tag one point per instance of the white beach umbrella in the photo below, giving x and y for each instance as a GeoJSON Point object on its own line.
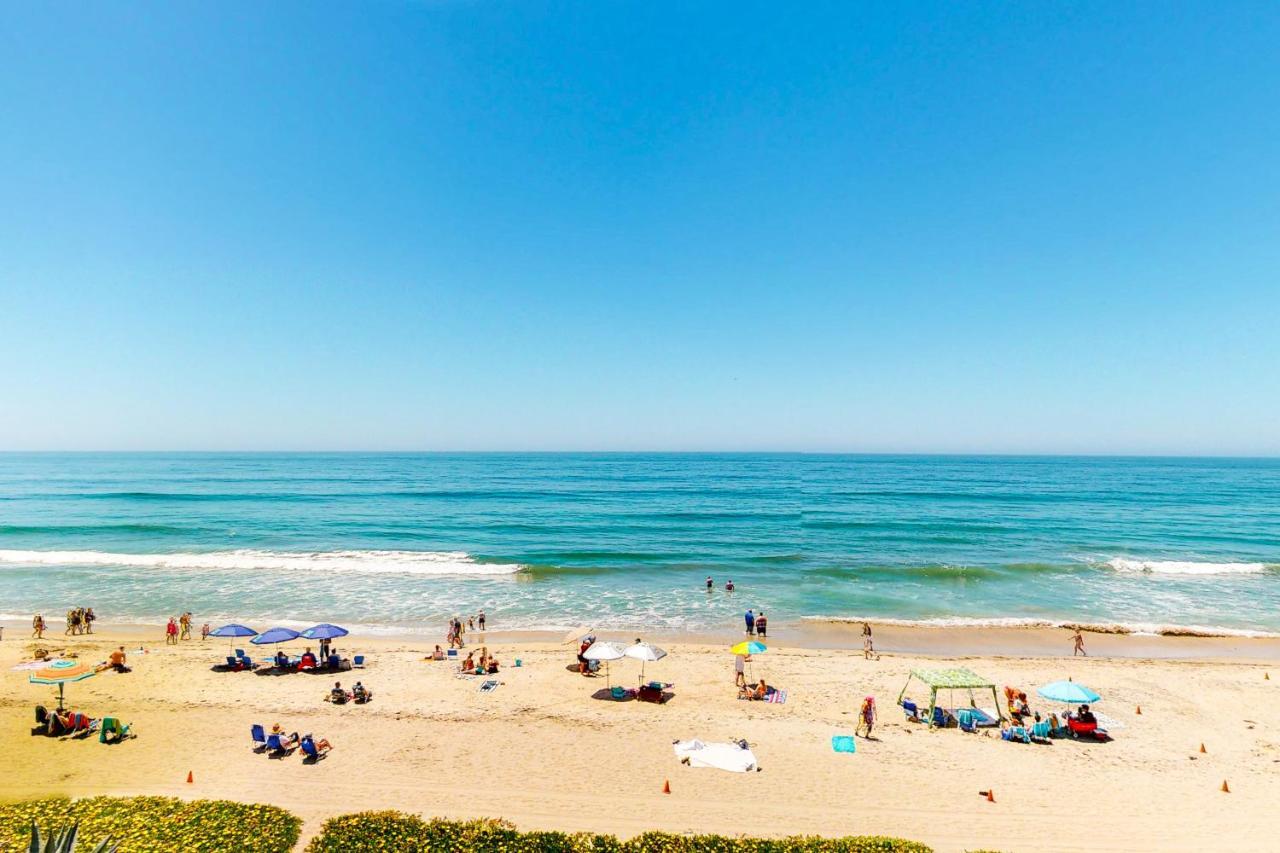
{"type": "Point", "coordinates": [644, 652]}
{"type": "Point", "coordinates": [605, 652]}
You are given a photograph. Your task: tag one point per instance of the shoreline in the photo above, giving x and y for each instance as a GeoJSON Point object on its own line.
{"type": "Point", "coordinates": [891, 638]}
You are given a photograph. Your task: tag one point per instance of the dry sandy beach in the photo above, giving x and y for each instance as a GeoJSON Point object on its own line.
{"type": "Point", "coordinates": [543, 753]}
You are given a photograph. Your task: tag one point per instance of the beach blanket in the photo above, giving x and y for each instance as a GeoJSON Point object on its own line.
{"type": "Point", "coordinates": [777, 697]}
{"type": "Point", "coordinates": [36, 664]}
{"type": "Point", "coordinates": [722, 756]}
{"type": "Point", "coordinates": [844, 743]}
{"type": "Point", "coordinates": [489, 686]}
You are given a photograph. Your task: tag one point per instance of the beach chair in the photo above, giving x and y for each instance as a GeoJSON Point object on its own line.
{"type": "Point", "coordinates": [911, 710]}
{"type": "Point", "coordinates": [234, 663]}
{"type": "Point", "coordinates": [966, 721]}
{"type": "Point", "coordinates": [240, 653]}
{"type": "Point", "coordinates": [358, 660]}
{"type": "Point", "coordinates": [1040, 731]}
{"type": "Point", "coordinates": [276, 747]}
{"type": "Point", "coordinates": [259, 737]}
{"type": "Point", "coordinates": [112, 730]}
{"type": "Point", "coordinates": [311, 752]}
{"type": "Point", "coordinates": [941, 718]}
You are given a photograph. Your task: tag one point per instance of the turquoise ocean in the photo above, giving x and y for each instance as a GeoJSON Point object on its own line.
{"type": "Point", "coordinates": [548, 541]}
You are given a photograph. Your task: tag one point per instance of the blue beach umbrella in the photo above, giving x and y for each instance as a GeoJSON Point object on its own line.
{"type": "Point", "coordinates": [325, 631]}
{"type": "Point", "coordinates": [1070, 692]}
{"type": "Point", "coordinates": [275, 635]}
{"type": "Point", "coordinates": [233, 631]}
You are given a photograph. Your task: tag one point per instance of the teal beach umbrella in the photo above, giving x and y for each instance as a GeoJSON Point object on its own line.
{"type": "Point", "coordinates": [1070, 692]}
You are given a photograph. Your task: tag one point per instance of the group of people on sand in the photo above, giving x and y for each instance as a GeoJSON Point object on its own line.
{"type": "Point", "coordinates": [178, 628]}
{"type": "Point", "coordinates": [359, 694]}
{"type": "Point", "coordinates": [79, 621]}
{"type": "Point", "coordinates": [487, 664]}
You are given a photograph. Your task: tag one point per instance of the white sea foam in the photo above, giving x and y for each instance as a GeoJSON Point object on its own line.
{"type": "Point", "coordinates": [1184, 567]}
{"type": "Point", "coordinates": [365, 562]}
{"type": "Point", "coordinates": [1137, 628]}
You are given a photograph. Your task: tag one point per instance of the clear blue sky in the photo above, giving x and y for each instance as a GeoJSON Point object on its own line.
{"type": "Point", "coordinates": [472, 225]}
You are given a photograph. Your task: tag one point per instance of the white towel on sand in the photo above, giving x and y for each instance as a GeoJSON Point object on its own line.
{"type": "Point", "coordinates": [723, 756]}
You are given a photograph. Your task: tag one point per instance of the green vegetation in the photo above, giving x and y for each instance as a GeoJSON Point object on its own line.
{"type": "Point", "coordinates": [154, 824]}
{"type": "Point", "coordinates": [395, 832]}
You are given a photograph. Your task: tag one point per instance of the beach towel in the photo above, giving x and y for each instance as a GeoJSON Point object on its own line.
{"type": "Point", "coordinates": [844, 743]}
{"type": "Point", "coordinates": [489, 686]}
{"type": "Point", "coordinates": [777, 697]}
{"type": "Point", "coordinates": [36, 664]}
{"type": "Point", "coordinates": [722, 756]}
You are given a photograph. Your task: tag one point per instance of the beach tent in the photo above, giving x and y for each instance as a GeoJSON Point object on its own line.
{"type": "Point", "coordinates": [957, 678]}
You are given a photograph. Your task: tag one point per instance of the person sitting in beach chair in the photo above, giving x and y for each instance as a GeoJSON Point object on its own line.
{"type": "Point", "coordinates": [1083, 724]}
{"type": "Point", "coordinates": [281, 660]}
{"type": "Point", "coordinates": [308, 660]}
{"type": "Point", "coordinates": [313, 750]}
{"type": "Point", "coordinates": [279, 744]}
{"type": "Point", "coordinates": [337, 695]}
{"type": "Point", "coordinates": [360, 694]}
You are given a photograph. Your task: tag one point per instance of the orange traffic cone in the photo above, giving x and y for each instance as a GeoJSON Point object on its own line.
{"type": "Point", "coordinates": [991, 795]}
{"type": "Point", "coordinates": [190, 778]}
{"type": "Point", "coordinates": [1139, 711]}
{"type": "Point", "coordinates": [1225, 789]}
{"type": "Point", "coordinates": [666, 786]}
{"type": "Point", "coordinates": [1266, 676]}
{"type": "Point", "coordinates": [1202, 749]}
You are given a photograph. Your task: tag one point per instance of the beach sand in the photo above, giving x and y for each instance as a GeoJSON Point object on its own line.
{"type": "Point", "coordinates": [541, 752]}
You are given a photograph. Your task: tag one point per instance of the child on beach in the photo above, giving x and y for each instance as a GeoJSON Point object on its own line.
{"type": "Point", "coordinates": [204, 631]}
{"type": "Point", "coordinates": [171, 632]}
{"type": "Point", "coordinates": [868, 647]}
{"type": "Point", "coordinates": [866, 717]}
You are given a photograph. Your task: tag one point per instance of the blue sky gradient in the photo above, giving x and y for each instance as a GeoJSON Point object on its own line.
{"type": "Point", "coordinates": [526, 225]}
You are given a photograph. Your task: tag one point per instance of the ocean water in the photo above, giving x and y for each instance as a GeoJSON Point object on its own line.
{"type": "Point", "coordinates": [401, 541]}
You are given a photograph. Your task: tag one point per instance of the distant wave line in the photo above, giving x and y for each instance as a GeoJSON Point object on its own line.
{"type": "Point", "coordinates": [364, 562]}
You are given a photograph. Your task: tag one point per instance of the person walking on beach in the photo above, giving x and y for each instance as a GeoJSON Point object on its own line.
{"type": "Point", "coordinates": [868, 646]}
{"type": "Point", "coordinates": [71, 622]}
{"type": "Point", "coordinates": [740, 670]}
{"type": "Point", "coordinates": [866, 717]}
{"type": "Point", "coordinates": [186, 626]}
{"type": "Point", "coordinates": [37, 627]}
{"type": "Point", "coordinates": [204, 632]}
{"type": "Point", "coordinates": [1079, 641]}
{"type": "Point", "coordinates": [762, 625]}
{"type": "Point", "coordinates": [480, 619]}
{"type": "Point", "coordinates": [171, 632]}
{"type": "Point", "coordinates": [750, 619]}
{"type": "Point", "coordinates": [88, 620]}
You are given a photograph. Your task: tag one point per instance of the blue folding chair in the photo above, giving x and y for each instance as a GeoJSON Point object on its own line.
{"type": "Point", "coordinates": [358, 660]}
{"type": "Point", "coordinates": [259, 737]}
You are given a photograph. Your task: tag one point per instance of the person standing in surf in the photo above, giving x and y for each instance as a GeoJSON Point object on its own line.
{"type": "Point", "coordinates": [750, 619]}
